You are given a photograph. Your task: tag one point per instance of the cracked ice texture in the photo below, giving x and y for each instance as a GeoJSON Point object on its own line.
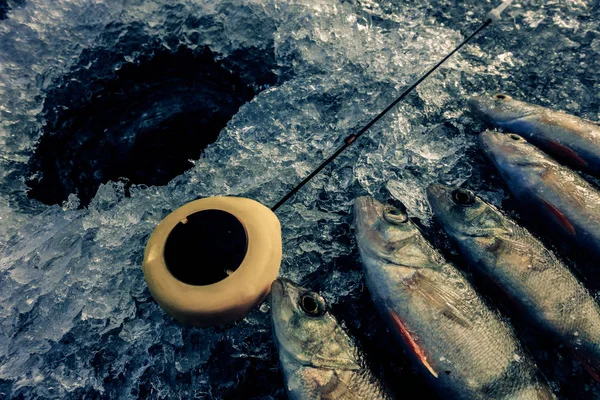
{"type": "Point", "coordinates": [76, 318]}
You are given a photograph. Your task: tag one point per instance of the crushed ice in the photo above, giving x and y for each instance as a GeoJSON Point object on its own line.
{"type": "Point", "coordinates": [76, 318]}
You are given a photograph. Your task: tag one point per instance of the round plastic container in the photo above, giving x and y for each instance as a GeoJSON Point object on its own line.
{"type": "Point", "coordinates": [211, 261]}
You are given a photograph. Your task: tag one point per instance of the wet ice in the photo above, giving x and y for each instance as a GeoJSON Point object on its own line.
{"type": "Point", "coordinates": [76, 318]}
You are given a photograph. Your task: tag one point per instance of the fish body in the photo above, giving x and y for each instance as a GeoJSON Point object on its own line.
{"type": "Point", "coordinates": [558, 197]}
{"type": "Point", "coordinates": [318, 358]}
{"type": "Point", "coordinates": [464, 348]}
{"type": "Point", "coordinates": [566, 137]}
{"type": "Point", "coordinates": [530, 274]}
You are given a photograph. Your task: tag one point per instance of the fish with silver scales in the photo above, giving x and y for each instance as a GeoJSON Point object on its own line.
{"type": "Point", "coordinates": [466, 350]}
{"type": "Point", "coordinates": [554, 195]}
{"type": "Point", "coordinates": [568, 138]}
{"type": "Point", "coordinates": [536, 281]}
{"type": "Point", "coordinates": [318, 358]}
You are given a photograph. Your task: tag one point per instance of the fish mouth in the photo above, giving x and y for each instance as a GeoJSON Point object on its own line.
{"type": "Point", "coordinates": [282, 308]}
{"type": "Point", "coordinates": [366, 214]}
{"type": "Point", "coordinates": [481, 106]}
{"type": "Point", "coordinates": [279, 296]}
{"type": "Point", "coordinates": [435, 192]}
{"type": "Point", "coordinates": [363, 202]}
{"type": "Point", "coordinates": [439, 198]}
{"type": "Point", "coordinates": [280, 290]}
{"type": "Point", "coordinates": [366, 211]}
{"type": "Point", "coordinates": [281, 313]}
{"type": "Point", "coordinates": [277, 288]}
{"type": "Point", "coordinates": [475, 104]}
{"type": "Point", "coordinates": [491, 143]}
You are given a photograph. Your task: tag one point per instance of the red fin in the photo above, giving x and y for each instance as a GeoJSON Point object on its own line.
{"type": "Point", "coordinates": [591, 364]}
{"type": "Point", "coordinates": [560, 218]}
{"type": "Point", "coordinates": [566, 153]}
{"type": "Point", "coordinates": [412, 344]}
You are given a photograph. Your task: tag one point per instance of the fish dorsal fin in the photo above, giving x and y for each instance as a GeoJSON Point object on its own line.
{"type": "Point", "coordinates": [440, 294]}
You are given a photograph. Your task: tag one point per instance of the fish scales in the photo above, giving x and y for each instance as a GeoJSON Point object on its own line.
{"type": "Point", "coordinates": [464, 348]}
{"type": "Point", "coordinates": [531, 275]}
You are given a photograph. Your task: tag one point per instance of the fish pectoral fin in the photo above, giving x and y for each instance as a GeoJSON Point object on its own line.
{"type": "Point", "coordinates": [446, 298]}
{"type": "Point", "coordinates": [590, 361]}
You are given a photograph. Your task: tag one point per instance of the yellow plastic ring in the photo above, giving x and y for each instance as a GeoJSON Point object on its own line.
{"type": "Point", "coordinates": [233, 297]}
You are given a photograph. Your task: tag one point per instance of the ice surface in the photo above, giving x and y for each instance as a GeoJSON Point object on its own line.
{"type": "Point", "coordinates": [76, 319]}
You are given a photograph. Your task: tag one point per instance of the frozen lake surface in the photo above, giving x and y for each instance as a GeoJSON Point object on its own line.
{"type": "Point", "coordinates": [121, 90]}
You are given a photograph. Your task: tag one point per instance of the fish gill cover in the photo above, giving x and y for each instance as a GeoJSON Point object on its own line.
{"type": "Point", "coordinates": [76, 318]}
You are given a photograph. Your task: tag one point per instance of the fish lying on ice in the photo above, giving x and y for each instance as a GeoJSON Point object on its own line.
{"type": "Point", "coordinates": [465, 349]}
{"type": "Point", "coordinates": [568, 138]}
{"type": "Point", "coordinates": [531, 275]}
{"type": "Point", "coordinates": [318, 358]}
{"type": "Point", "coordinates": [557, 196]}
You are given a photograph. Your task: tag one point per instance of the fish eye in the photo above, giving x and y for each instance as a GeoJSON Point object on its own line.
{"type": "Point", "coordinates": [515, 137]}
{"type": "Point", "coordinates": [500, 96]}
{"type": "Point", "coordinates": [463, 197]}
{"type": "Point", "coordinates": [394, 216]}
{"type": "Point", "coordinates": [312, 304]}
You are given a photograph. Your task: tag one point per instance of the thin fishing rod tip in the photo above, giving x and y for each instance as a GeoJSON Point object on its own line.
{"type": "Point", "coordinates": [496, 13]}
{"type": "Point", "coordinates": [348, 141]}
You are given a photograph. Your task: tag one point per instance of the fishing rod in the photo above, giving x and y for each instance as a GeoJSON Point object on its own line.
{"type": "Point", "coordinates": [213, 260]}
{"type": "Point", "coordinates": [491, 17]}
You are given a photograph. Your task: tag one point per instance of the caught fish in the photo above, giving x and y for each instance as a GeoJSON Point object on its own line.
{"type": "Point", "coordinates": [465, 349]}
{"type": "Point", "coordinates": [530, 274]}
{"type": "Point", "coordinates": [318, 358]}
{"type": "Point", "coordinates": [559, 197]}
{"type": "Point", "coordinates": [570, 139]}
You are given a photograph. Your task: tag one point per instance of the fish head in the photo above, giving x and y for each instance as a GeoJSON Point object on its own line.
{"type": "Point", "coordinates": [499, 109]}
{"type": "Point", "coordinates": [387, 238]}
{"type": "Point", "coordinates": [304, 331]}
{"type": "Point", "coordinates": [510, 152]}
{"type": "Point", "coordinates": [379, 226]}
{"type": "Point", "coordinates": [462, 213]}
